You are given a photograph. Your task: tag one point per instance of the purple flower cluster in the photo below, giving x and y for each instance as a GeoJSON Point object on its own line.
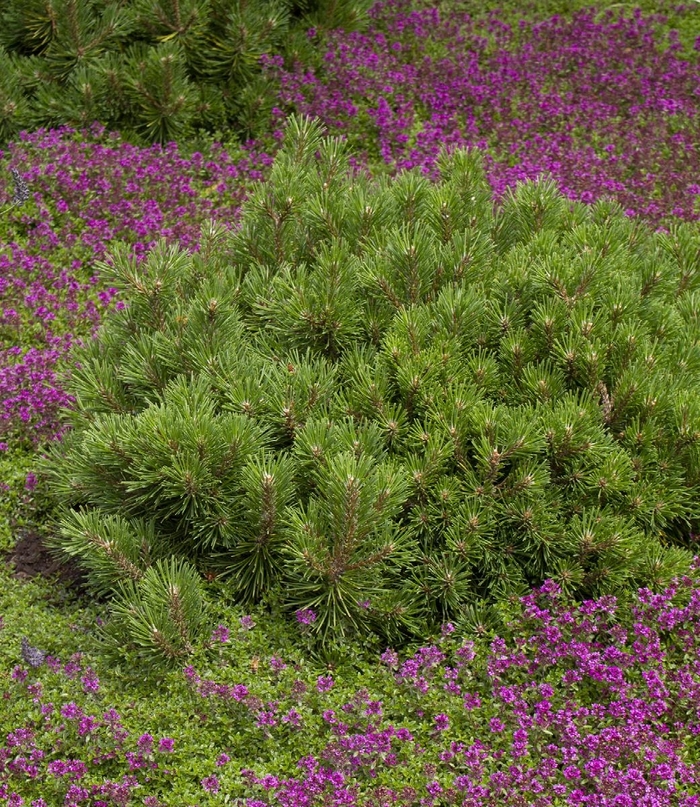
{"type": "Point", "coordinates": [90, 191]}
{"type": "Point", "coordinates": [576, 709]}
{"type": "Point", "coordinates": [593, 101]}
{"type": "Point", "coordinates": [21, 759]}
{"type": "Point", "coordinates": [583, 704]}
{"type": "Point", "coordinates": [306, 616]}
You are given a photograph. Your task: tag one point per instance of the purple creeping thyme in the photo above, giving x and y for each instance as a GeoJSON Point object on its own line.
{"type": "Point", "coordinates": [220, 634]}
{"type": "Point", "coordinates": [576, 709]}
{"type": "Point", "coordinates": [442, 722]}
{"type": "Point", "coordinates": [90, 681]}
{"type": "Point", "coordinates": [211, 784]}
{"type": "Point", "coordinates": [593, 102]}
{"type": "Point", "coordinates": [306, 616]}
{"type": "Point", "coordinates": [145, 743]}
{"type": "Point", "coordinates": [89, 191]}
{"type": "Point", "coordinates": [324, 683]}
{"type": "Point", "coordinates": [621, 731]}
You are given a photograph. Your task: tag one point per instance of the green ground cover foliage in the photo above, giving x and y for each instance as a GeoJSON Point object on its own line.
{"type": "Point", "coordinates": [386, 400]}
{"type": "Point", "coordinates": [674, 18]}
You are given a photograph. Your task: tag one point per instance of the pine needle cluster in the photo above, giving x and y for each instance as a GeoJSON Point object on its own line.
{"type": "Point", "coordinates": [156, 70]}
{"type": "Point", "coordinates": [389, 402]}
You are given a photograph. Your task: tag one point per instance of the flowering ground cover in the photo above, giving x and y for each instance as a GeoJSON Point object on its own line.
{"type": "Point", "coordinates": [577, 705]}
{"type": "Point", "coordinates": [573, 705]}
{"type": "Point", "coordinates": [593, 100]}
{"type": "Point", "coordinates": [86, 193]}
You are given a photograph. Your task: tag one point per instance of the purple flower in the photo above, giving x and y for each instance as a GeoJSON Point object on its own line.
{"type": "Point", "coordinates": [247, 622]}
{"type": "Point", "coordinates": [20, 738]}
{"type": "Point", "coordinates": [76, 795]}
{"type": "Point", "coordinates": [87, 725]}
{"type": "Point", "coordinates": [71, 668]}
{"type": "Point", "coordinates": [145, 743]}
{"type": "Point", "coordinates": [442, 722]}
{"type": "Point", "coordinates": [220, 634]}
{"type": "Point", "coordinates": [166, 744]}
{"type": "Point", "coordinates": [239, 692]}
{"type": "Point", "coordinates": [276, 664]}
{"type": "Point", "coordinates": [90, 681]}
{"type": "Point", "coordinates": [265, 718]}
{"type": "Point", "coordinates": [471, 701]}
{"type": "Point", "coordinates": [434, 788]}
{"type": "Point", "coordinates": [292, 718]}
{"type": "Point", "coordinates": [268, 782]}
{"type": "Point", "coordinates": [466, 652]}
{"type": "Point", "coordinates": [57, 768]}
{"type": "Point", "coordinates": [210, 784]}
{"type": "Point", "coordinates": [324, 683]}
{"type": "Point", "coordinates": [299, 688]}
{"type": "Point", "coordinates": [306, 616]}
{"type": "Point", "coordinates": [373, 708]}
{"type": "Point", "coordinates": [222, 759]}
{"type": "Point", "coordinates": [71, 711]}
{"type": "Point", "coordinates": [111, 717]}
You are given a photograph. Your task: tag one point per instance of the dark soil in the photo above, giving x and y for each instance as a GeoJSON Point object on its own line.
{"type": "Point", "coordinates": [30, 558]}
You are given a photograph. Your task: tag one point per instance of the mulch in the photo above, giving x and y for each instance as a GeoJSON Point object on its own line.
{"type": "Point", "coordinates": [30, 559]}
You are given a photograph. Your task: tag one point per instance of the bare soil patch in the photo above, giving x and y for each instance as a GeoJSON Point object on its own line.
{"type": "Point", "coordinates": [30, 558]}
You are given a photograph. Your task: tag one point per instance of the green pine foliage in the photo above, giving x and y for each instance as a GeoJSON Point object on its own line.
{"type": "Point", "coordinates": [155, 70]}
{"type": "Point", "coordinates": [391, 402]}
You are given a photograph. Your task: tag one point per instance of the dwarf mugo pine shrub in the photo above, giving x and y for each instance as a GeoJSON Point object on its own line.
{"type": "Point", "coordinates": [156, 70]}
{"type": "Point", "coordinates": [387, 401]}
